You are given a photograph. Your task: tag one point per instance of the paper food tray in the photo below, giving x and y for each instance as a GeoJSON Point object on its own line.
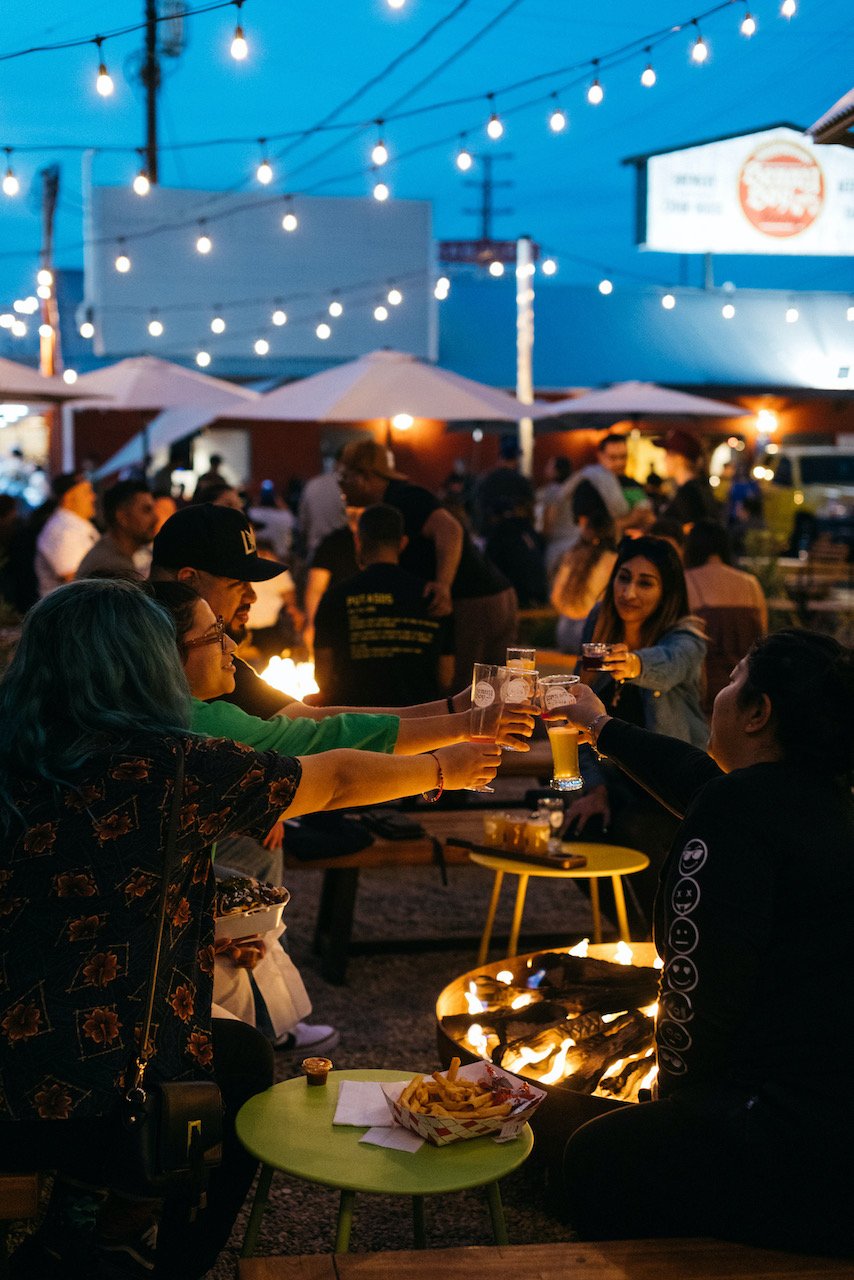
{"type": "Point", "coordinates": [441, 1130]}
{"type": "Point", "coordinates": [242, 924]}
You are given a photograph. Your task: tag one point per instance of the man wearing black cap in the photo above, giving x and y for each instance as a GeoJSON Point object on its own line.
{"type": "Point", "coordinates": [693, 499]}
{"type": "Point", "coordinates": [69, 533]}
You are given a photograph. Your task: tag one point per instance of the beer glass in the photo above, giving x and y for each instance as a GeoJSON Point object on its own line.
{"type": "Point", "coordinates": [487, 692]}
{"type": "Point", "coordinates": [519, 659]}
{"type": "Point", "coordinates": [593, 655]}
{"type": "Point", "coordinates": [555, 697]}
{"type": "Point", "coordinates": [520, 690]}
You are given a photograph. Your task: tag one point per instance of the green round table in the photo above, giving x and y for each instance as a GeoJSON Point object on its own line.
{"type": "Point", "coordinates": [290, 1128]}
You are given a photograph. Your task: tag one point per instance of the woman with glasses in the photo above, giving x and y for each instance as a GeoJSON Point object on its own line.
{"type": "Point", "coordinates": [93, 709]}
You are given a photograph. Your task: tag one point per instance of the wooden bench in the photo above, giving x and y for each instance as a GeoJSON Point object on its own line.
{"type": "Point", "coordinates": [610, 1260]}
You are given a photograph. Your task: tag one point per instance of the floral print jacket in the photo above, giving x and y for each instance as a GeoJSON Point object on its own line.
{"type": "Point", "coordinates": [79, 887]}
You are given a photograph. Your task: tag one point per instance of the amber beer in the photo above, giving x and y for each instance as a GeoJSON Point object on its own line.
{"type": "Point", "coordinates": [555, 696]}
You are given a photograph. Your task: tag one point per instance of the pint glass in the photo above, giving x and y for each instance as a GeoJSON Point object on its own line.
{"type": "Point", "coordinates": [555, 696]}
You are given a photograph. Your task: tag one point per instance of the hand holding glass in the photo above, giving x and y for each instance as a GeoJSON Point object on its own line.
{"type": "Point", "coordinates": [487, 688]}
{"type": "Point", "coordinates": [555, 698]}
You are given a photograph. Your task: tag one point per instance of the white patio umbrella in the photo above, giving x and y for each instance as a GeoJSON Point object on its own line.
{"type": "Point", "coordinates": [382, 385]}
{"type": "Point", "coordinates": [20, 382]}
{"type": "Point", "coordinates": [640, 400]}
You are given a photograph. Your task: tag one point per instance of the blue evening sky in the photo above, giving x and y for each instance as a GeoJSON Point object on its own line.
{"type": "Point", "coordinates": [569, 191]}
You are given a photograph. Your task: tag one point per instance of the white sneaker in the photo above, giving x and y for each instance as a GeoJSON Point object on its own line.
{"type": "Point", "coordinates": [308, 1038]}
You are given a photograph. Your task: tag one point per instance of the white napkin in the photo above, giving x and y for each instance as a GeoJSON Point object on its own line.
{"type": "Point", "coordinates": [397, 1138]}
{"type": "Point", "coordinates": [363, 1102]}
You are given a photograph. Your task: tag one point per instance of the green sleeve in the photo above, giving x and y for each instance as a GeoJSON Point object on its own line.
{"type": "Point", "coordinates": [297, 737]}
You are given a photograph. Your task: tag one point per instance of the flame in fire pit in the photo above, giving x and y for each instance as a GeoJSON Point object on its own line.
{"type": "Point", "coordinates": [474, 1004]}
{"type": "Point", "coordinates": [558, 1070]}
{"type": "Point", "coordinates": [294, 678]}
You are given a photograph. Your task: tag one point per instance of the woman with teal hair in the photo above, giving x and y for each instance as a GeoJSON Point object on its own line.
{"type": "Point", "coordinates": [93, 710]}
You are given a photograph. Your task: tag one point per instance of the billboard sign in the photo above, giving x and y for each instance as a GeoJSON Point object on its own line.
{"type": "Point", "coordinates": [773, 192]}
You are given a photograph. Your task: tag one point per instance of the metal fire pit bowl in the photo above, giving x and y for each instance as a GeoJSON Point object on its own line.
{"type": "Point", "coordinates": [564, 1109]}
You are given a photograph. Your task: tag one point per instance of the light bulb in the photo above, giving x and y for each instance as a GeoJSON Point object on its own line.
{"type": "Point", "coordinates": [279, 317]}
{"type": "Point", "coordinates": [6, 320]}
{"type": "Point", "coordinates": [699, 50]}
{"type": "Point", "coordinates": [122, 264]}
{"type": "Point", "coordinates": [648, 76]}
{"type": "Point", "coordinates": [19, 329]}
{"type": "Point", "coordinates": [788, 8]}
{"type": "Point", "coordinates": [494, 127]}
{"type": "Point", "coordinates": [381, 313]}
{"type": "Point", "coordinates": [402, 421]}
{"type": "Point", "coordinates": [323, 331]}
{"type": "Point", "coordinates": [792, 315]}
{"type": "Point", "coordinates": [381, 192]}
{"type": "Point", "coordinates": [217, 325]}
{"type": "Point", "coordinates": [203, 359]}
{"type": "Point", "coordinates": [442, 288]}
{"type": "Point", "coordinates": [557, 120]}
{"type": "Point", "coordinates": [264, 173]}
{"type": "Point", "coordinates": [395, 4]}
{"type": "Point", "coordinates": [155, 328]}
{"type": "Point", "coordinates": [45, 331]}
{"type": "Point", "coordinates": [70, 376]}
{"type": "Point", "coordinates": [44, 276]}
{"type": "Point", "coordinates": [595, 93]}
{"type": "Point", "coordinates": [727, 311]}
{"type": "Point", "coordinates": [141, 183]}
{"type": "Point", "coordinates": [668, 302]}
{"type": "Point", "coordinates": [464, 159]}
{"type": "Point", "coordinates": [104, 83]}
{"type": "Point", "coordinates": [605, 287]}
{"type": "Point", "coordinates": [290, 222]}
{"type": "Point", "coordinates": [262, 347]}
{"type": "Point", "coordinates": [336, 308]}
{"type": "Point", "coordinates": [549, 267]}
{"type": "Point", "coordinates": [395, 297]}
{"type": "Point", "coordinates": [849, 314]}
{"type": "Point", "coordinates": [87, 329]}
{"type": "Point", "coordinates": [11, 185]}
{"type": "Point", "coordinates": [204, 244]}
{"type": "Point", "coordinates": [43, 291]}
{"type": "Point", "coordinates": [379, 154]}
{"type": "Point", "coordinates": [748, 25]}
{"type": "Point", "coordinates": [239, 47]}
{"type": "Point", "coordinates": [496, 269]}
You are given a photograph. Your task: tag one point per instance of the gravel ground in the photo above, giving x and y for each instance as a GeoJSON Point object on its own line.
{"type": "Point", "coordinates": [386, 1016]}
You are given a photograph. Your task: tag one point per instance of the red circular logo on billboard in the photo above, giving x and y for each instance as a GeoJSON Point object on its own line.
{"type": "Point", "coordinates": [781, 189]}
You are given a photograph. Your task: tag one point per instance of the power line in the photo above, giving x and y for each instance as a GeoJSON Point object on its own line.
{"type": "Point", "coordinates": [79, 42]}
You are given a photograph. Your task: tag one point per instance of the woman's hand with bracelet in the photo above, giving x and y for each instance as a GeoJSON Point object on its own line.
{"type": "Point", "coordinates": [585, 711]}
{"type": "Point", "coordinates": [468, 764]}
{"type": "Point", "coordinates": [622, 663]}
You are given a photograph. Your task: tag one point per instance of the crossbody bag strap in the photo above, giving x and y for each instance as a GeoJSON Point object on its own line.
{"type": "Point", "coordinates": [146, 1049]}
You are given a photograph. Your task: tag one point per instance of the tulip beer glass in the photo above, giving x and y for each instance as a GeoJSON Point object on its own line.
{"type": "Point", "coordinates": [487, 692]}
{"type": "Point", "coordinates": [555, 697]}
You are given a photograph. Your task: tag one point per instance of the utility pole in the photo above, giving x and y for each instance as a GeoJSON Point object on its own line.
{"type": "Point", "coordinates": [488, 184]}
{"type": "Point", "coordinates": [49, 360]}
{"type": "Point", "coordinates": [150, 76]}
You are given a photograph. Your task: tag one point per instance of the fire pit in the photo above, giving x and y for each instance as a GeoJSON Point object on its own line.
{"type": "Point", "coordinates": [578, 1022]}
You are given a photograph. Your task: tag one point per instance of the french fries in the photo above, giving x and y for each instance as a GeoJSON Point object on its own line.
{"type": "Point", "coordinates": [452, 1097]}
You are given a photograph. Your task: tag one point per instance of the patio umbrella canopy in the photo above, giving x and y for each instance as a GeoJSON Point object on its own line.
{"type": "Point", "coordinates": [381, 385]}
{"type": "Point", "coordinates": [146, 383]}
{"type": "Point", "coordinates": [640, 400]}
{"type": "Point", "coordinates": [20, 382]}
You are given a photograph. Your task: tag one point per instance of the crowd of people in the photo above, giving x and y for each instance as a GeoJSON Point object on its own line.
{"type": "Point", "coordinates": [138, 645]}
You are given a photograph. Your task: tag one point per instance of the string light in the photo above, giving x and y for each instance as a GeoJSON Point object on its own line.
{"type": "Point", "coordinates": [203, 359]}
{"type": "Point", "coordinates": [549, 267]}
{"type": "Point", "coordinates": [87, 328]}
{"type": "Point", "coordinates": [464, 158]}
{"type": "Point", "coordinates": [279, 317]}
{"type": "Point", "coordinates": [595, 92]}
{"type": "Point", "coordinates": [290, 221]}
{"type": "Point", "coordinates": [381, 192]}
{"type": "Point", "coordinates": [699, 49]}
{"type": "Point", "coordinates": [395, 297]}
{"type": "Point", "coordinates": [19, 329]}
{"type": "Point", "coordinates": [668, 301]}
{"type": "Point", "coordinates": [788, 9]}
{"type": "Point", "coordinates": [442, 288]}
{"type": "Point", "coordinates": [648, 76]}
{"type": "Point", "coordinates": [748, 25]}
{"type": "Point", "coordinates": [381, 313]}
{"type": "Point", "coordinates": [336, 308]}
{"type": "Point", "coordinates": [323, 331]}
{"type": "Point", "coordinates": [70, 377]}
{"type": "Point", "coordinates": [379, 152]}
{"type": "Point", "coordinates": [792, 315]}
{"type": "Point", "coordinates": [402, 421]}
{"type": "Point", "coordinates": [605, 287]}
{"type": "Point", "coordinates": [43, 291]}
{"type": "Point", "coordinates": [239, 47]}
{"type": "Point", "coordinates": [122, 262]}
{"type": "Point", "coordinates": [849, 314]}
{"type": "Point", "coordinates": [494, 126]}
{"type": "Point", "coordinates": [155, 327]}
{"type": "Point", "coordinates": [217, 323]}
{"type": "Point", "coordinates": [142, 183]}
{"type": "Point", "coordinates": [395, 4]}
{"type": "Point", "coordinates": [557, 117]}
{"type": "Point", "coordinates": [11, 185]}
{"type": "Point", "coordinates": [104, 83]}
{"type": "Point", "coordinates": [45, 331]}
{"type": "Point", "coordinates": [44, 277]}
{"type": "Point", "coordinates": [262, 347]}
{"type": "Point", "coordinates": [496, 269]}
{"type": "Point", "coordinates": [264, 172]}
{"type": "Point", "coordinates": [204, 244]}
{"type": "Point", "coordinates": [728, 311]}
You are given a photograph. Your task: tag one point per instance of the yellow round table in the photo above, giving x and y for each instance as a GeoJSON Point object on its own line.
{"type": "Point", "coordinates": [610, 860]}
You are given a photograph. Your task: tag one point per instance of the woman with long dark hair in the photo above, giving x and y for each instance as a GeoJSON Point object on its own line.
{"type": "Point", "coordinates": [581, 578]}
{"type": "Point", "coordinates": [652, 677]}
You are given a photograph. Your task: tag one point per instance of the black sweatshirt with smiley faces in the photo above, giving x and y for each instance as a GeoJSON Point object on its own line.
{"type": "Point", "coordinates": [753, 923]}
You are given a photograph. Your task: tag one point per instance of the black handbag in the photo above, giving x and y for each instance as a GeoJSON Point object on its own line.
{"type": "Point", "coordinates": [171, 1132]}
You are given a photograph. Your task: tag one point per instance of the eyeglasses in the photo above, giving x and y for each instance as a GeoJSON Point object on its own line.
{"type": "Point", "coordinates": [217, 636]}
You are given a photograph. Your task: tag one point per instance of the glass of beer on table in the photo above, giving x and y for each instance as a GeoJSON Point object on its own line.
{"type": "Point", "coordinates": [555, 697]}
{"type": "Point", "coordinates": [487, 703]}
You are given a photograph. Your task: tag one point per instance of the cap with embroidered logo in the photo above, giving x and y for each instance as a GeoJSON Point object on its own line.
{"type": "Point", "coordinates": [217, 540]}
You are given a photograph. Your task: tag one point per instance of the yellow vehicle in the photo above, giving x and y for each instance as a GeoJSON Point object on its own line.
{"type": "Point", "coordinates": [811, 481]}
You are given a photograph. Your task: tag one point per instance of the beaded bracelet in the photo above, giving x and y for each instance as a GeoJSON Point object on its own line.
{"type": "Point", "coordinates": [591, 728]}
{"type": "Point", "coordinates": [432, 796]}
